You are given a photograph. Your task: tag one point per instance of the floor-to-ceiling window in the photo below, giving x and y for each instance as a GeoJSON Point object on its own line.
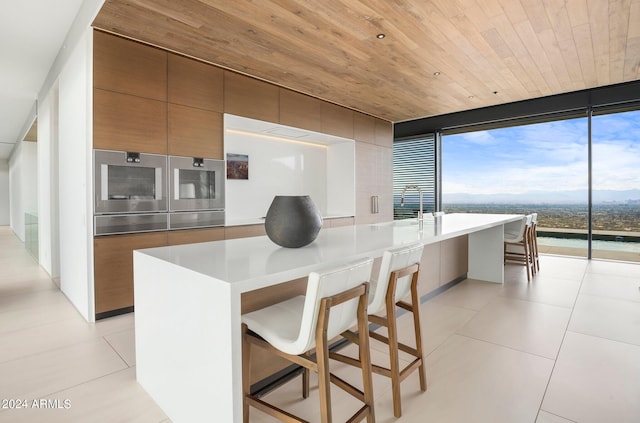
{"type": "Point", "coordinates": [616, 185]}
{"type": "Point", "coordinates": [540, 167]}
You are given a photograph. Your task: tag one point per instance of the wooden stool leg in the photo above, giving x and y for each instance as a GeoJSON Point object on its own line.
{"type": "Point", "coordinates": [415, 305]}
{"type": "Point", "coordinates": [322, 359]}
{"type": "Point", "coordinates": [394, 360]}
{"type": "Point", "coordinates": [246, 373]}
{"type": "Point", "coordinates": [364, 354]}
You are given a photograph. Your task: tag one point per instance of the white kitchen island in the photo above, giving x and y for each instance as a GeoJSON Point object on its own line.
{"type": "Point", "coordinates": [187, 300]}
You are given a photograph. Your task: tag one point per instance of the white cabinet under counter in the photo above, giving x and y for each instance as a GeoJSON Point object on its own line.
{"type": "Point", "coordinates": [188, 300]}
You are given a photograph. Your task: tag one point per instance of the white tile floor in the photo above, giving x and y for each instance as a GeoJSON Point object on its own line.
{"type": "Point", "coordinates": [564, 348]}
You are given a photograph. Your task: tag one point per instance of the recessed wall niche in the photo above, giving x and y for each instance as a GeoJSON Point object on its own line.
{"type": "Point", "coordinates": [288, 161]}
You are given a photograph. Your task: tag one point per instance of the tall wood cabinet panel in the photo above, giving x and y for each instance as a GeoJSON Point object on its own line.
{"type": "Point", "coordinates": [129, 123]}
{"type": "Point", "coordinates": [193, 83]}
{"type": "Point", "coordinates": [194, 132]}
{"type": "Point", "coordinates": [249, 97]}
{"type": "Point", "coordinates": [129, 67]}
{"type": "Point", "coordinates": [113, 267]}
{"type": "Point", "coordinates": [192, 236]}
{"type": "Point", "coordinates": [300, 110]}
{"type": "Point", "coordinates": [336, 120]}
{"type": "Point", "coordinates": [374, 177]}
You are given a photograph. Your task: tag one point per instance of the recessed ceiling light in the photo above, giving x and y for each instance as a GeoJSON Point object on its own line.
{"type": "Point", "coordinates": [380, 36]}
{"type": "Point", "coordinates": [495, 92]}
{"type": "Point", "coordinates": [436, 74]}
{"type": "Point", "coordinates": [471, 96]}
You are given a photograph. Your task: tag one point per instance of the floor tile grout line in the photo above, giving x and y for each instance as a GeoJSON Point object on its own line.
{"type": "Point", "coordinates": [604, 338]}
{"type": "Point", "coordinates": [555, 361]}
{"type": "Point", "coordinates": [557, 415]}
{"type": "Point", "coordinates": [116, 351]}
{"type": "Point", "coordinates": [503, 346]}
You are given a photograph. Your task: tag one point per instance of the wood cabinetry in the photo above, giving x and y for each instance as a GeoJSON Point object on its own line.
{"type": "Point", "coordinates": [113, 268]}
{"type": "Point", "coordinates": [129, 67]}
{"type": "Point", "coordinates": [299, 110]}
{"type": "Point", "coordinates": [194, 132]}
{"type": "Point", "coordinates": [249, 97]}
{"type": "Point", "coordinates": [336, 120]}
{"type": "Point", "coordinates": [129, 123]}
{"type": "Point", "coordinates": [193, 83]}
{"type": "Point", "coordinates": [192, 236]}
{"type": "Point", "coordinates": [374, 177]}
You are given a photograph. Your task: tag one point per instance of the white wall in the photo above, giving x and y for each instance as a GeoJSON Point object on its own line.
{"type": "Point", "coordinates": [341, 179]}
{"type": "Point", "coordinates": [49, 243]}
{"type": "Point", "coordinates": [23, 185]}
{"type": "Point", "coordinates": [4, 193]}
{"type": "Point", "coordinates": [75, 190]}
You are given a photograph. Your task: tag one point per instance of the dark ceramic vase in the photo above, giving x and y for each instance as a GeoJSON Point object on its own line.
{"type": "Point", "coordinates": [293, 221]}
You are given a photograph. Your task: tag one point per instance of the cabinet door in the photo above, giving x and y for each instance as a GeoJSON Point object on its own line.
{"type": "Point", "coordinates": [129, 123]}
{"type": "Point", "coordinates": [191, 236]}
{"type": "Point", "coordinates": [195, 84]}
{"type": "Point", "coordinates": [244, 96]}
{"type": "Point", "coordinates": [194, 132]}
{"type": "Point", "coordinates": [374, 177]}
{"type": "Point", "coordinates": [364, 128]}
{"type": "Point", "coordinates": [129, 67]}
{"type": "Point", "coordinates": [113, 267]}
{"type": "Point", "coordinates": [299, 110]}
{"type": "Point", "coordinates": [336, 120]}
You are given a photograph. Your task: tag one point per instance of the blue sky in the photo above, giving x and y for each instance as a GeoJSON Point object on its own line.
{"type": "Point", "coordinates": [545, 157]}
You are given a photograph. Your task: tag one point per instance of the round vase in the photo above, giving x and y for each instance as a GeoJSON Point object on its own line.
{"type": "Point", "coordinates": [293, 221]}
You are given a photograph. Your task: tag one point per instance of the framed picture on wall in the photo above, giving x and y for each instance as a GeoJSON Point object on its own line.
{"type": "Point", "coordinates": [237, 166]}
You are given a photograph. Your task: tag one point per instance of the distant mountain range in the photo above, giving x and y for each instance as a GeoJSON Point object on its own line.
{"type": "Point", "coordinates": [546, 197]}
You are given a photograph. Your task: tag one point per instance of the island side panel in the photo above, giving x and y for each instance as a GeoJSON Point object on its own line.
{"type": "Point", "coordinates": [486, 254]}
{"type": "Point", "coordinates": [187, 342]}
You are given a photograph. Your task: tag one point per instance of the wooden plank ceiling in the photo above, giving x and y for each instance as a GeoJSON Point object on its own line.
{"type": "Point", "coordinates": [438, 56]}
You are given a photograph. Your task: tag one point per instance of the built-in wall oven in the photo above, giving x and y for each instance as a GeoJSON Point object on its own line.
{"type": "Point", "coordinates": [196, 196]}
{"type": "Point", "coordinates": [130, 192]}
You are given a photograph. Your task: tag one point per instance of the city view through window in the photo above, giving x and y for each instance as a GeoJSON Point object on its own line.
{"type": "Point", "coordinates": [544, 168]}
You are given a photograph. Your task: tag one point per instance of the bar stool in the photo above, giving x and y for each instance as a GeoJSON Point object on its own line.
{"type": "Point", "coordinates": [397, 278]}
{"type": "Point", "coordinates": [336, 300]}
{"type": "Point", "coordinates": [518, 234]}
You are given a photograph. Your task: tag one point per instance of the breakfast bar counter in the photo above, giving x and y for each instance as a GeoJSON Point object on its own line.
{"type": "Point", "coordinates": [188, 300]}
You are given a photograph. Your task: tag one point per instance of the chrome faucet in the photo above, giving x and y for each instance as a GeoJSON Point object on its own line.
{"type": "Point", "coordinates": [419, 194]}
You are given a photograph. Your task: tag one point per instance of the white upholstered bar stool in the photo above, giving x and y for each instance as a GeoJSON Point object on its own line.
{"type": "Point", "coordinates": [438, 214]}
{"type": "Point", "coordinates": [398, 277]}
{"type": "Point", "coordinates": [336, 300]}
{"type": "Point", "coordinates": [517, 235]}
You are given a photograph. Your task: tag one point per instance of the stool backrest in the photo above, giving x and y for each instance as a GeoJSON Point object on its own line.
{"type": "Point", "coordinates": [517, 228]}
{"type": "Point", "coordinates": [326, 283]}
{"type": "Point", "coordinates": [394, 259]}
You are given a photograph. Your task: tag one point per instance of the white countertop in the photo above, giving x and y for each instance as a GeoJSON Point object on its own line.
{"type": "Point", "coordinates": [251, 263]}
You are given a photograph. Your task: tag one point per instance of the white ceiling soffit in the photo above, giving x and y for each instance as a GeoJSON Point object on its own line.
{"type": "Point", "coordinates": [31, 34]}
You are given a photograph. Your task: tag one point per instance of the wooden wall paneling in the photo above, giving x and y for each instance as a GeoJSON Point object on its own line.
{"type": "Point", "coordinates": [194, 83]}
{"type": "Point", "coordinates": [129, 67]}
{"type": "Point", "coordinates": [336, 120]}
{"type": "Point", "coordinates": [129, 123]}
{"type": "Point", "coordinates": [243, 231]}
{"type": "Point", "coordinates": [455, 258]}
{"type": "Point", "coordinates": [249, 97]}
{"type": "Point", "coordinates": [364, 128]}
{"type": "Point", "coordinates": [113, 267]}
{"type": "Point", "coordinates": [192, 236]}
{"type": "Point", "coordinates": [300, 110]}
{"type": "Point", "coordinates": [194, 132]}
